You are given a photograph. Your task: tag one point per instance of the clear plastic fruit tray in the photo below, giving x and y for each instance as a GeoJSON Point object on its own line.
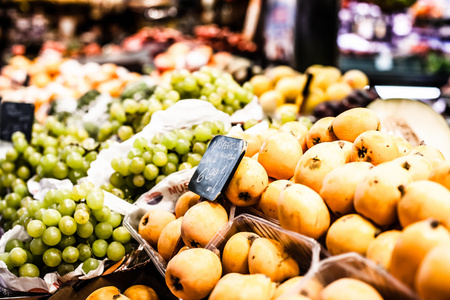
{"type": "Point", "coordinates": [304, 250]}
{"type": "Point", "coordinates": [350, 265]}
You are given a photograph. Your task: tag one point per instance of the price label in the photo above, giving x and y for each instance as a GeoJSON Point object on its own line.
{"type": "Point", "coordinates": [217, 166]}
{"type": "Point", "coordinates": [16, 117]}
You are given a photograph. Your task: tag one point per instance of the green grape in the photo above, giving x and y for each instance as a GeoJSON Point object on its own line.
{"type": "Point", "coordinates": [151, 172]}
{"type": "Point", "coordinates": [66, 241]}
{"type": "Point", "coordinates": [184, 166]}
{"type": "Point", "coordinates": [199, 148]}
{"type": "Point", "coordinates": [159, 178]}
{"type": "Point", "coordinates": [13, 200]}
{"type": "Point", "coordinates": [186, 134]}
{"type": "Point", "coordinates": [39, 213]}
{"type": "Point", "coordinates": [52, 257]}
{"type": "Point", "coordinates": [172, 95]}
{"type": "Point", "coordinates": [228, 110]}
{"type": "Point", "coordinates": [17, 256]}
{"type": "Point", "coordinates": [37, 246]}
{"type": "Point", "coordinates": [202, 133]}
{"type": "Point", "coordinates": [121, 235]}
{"type": "Point", "coordinates": [51, 217]}
{"type": "Point", "coordinates": [159, 159]}
{"type": "Point", "coordinates": [194, 159]}
{"type": "Point", "coordinates": [65, 268]}
{"type": "Point", "coordinates": [3, 205]}
{"type": "Point", "coordinates": [83, 206]}
{"type": "Point", "coordinates": [70, 254]}
{"type": "Point", "coordinates": [183, 146]}
{"type": "Point", "coordinates": [90, 264]}
{"type": "Point", "coordinates": [91, 156]}
{"type": "Point", "coordinates": [102, 214]}
{"type": "Point", "coordinates": [250, 123]}
{"type": "Point", "coordinates": [29, 255]}
{"type": "Point", "coordinates": [4, 257]}
{"type": "Point", "coordinates": [85, 230]}
{"type": "Point", "coordinates": [67, 225]}
{"type": "Point", "coordinates": [95, 199]}
{"type": "Point", "coordinates": [288, 116]}
{"type": "Point", "coordinates": [138, 180]}
{"type": "Point", "coordinates": [21, 189]}
{"type": "Point", "coordinates": [10, 213]}
{"type": "Point", "coordinates": [51, 236]}
{"type": "Point", "coordinates": [61, 170]}
{"type": "Point", "coordinates": [115, 251]}
{"type": "Point", "coordinates": [36, 228]}
{"type": "Point", "coordinates": [75, 175]}
{"type": "Point", "coordinates": [22, 212]}
{"type": "Point", "coordinates": [81, 216]}
{"type": "Point", "coordinates": [130, 106]}
{"type": "Point", "coordinates": [134, 152]}
{"type": "Point", "coordinates": [125, 132]}
{"type": "Point", "coordinates": [117, 112]}
{"type": "Point", "coordinates": [13, 243]}
{"type": "Point", "coordinates": [169, 168]}
{"type": "Point", "coordinates": [8, 179]}
{"type": "Point", "coordinates": [115, 219]}
{"type": "Point", "coordinates": [118, 193]}
{"type": "Point", "coordinates": [124, 166]}
{"type": "Point", "coordinates": [103, 230]}
{"type": "Point", "coordinates": [84, 252]}
{"type": "Point", "coordinates": [99, 248]}
{"type": "Point", "coordinates": [116, 179]}
{"type": "Point", "coordinates": [169, 139]}
{"type": "Point", "coordinates": [67, 207]}
{"type": "Point", "coordinates": [48, 162]}
{"type": "Point", "coordinates": [160, 148]}
{"type": "Point", "coordinates": [107, 187]}
{"type": "Point", "coordinates": [8, 167]}
{"type": "Point", "coordinates": [29, 270]}
{"type": "Point", "coordinates": [137, 165]}
{"type": "Point", "coordinates": [34, 159]}
{"type": "Point", "coordinates": [34, 206]}
{"type": "Point", "coordinates": [23, 172]}
{"type": "Point", "coordinates": [217, 127]}
{"type": "Point", "coordinates": [147, 157]}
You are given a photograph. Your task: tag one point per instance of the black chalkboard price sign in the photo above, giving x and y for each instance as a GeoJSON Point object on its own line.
{"type": "Point", "coordinates": [217, 166]}
{"type": "Point", "coordinates": [16, 117]}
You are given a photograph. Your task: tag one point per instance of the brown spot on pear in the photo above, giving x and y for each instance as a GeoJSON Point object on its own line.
{"type": "Point", "coordinates": [193, 273]}
{"type": "Point", "coordinates": [320, 133]}
{"type": "Point", "coordinates": [302, 210]}
{"type": "Point", "coordinates": [350, 233]}
{"type": "Point", "coordinates": [430, 153]}
{"type": "Point", "coordinates": [415, 241]}
{"type": "Point", "coordinates": [416, 165]}
{"type": "Point", "coordinates": [298, 130]}
{"type": "Point", "coordinates": [268, 203]}
{"type": "Point", "coordinates": [152, 224]}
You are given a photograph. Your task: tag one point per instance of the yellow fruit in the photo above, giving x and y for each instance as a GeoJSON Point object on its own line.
{"type": "Point", "coordinates": [356, 79]}
{"type": "Point", "coordinates": [316, 96]}
{"type": "Point", "coordinates": [201, 222]}
{"type": "Point", "coordinates": [326, 77]}
{"type": "Point", "coordinates": [377, 195]}
{"type": "Point", "coordinates": [268, 203]}
{"type": "Point", "coordinates": [279, 155]}
{"type": "Point", "coordinates": [414, 243]}
{"type": "Point", "coordinates": [433, 274]}
{"type": "Point", "coordinates": [193, 273]}
{"type": "Point", "coordinates": [320, 132]}
{"type": "Point", "coordinates": [106, 293]}
{"type": "Point", "coordinates": [349, 289]}
{"type": "Point", "coordinates": [235, 252]}
{"type": "Point", "coordinates": [290, 87]}
{"type": "Point", "coordinates": [317, 162]}
{"type": "Point", "coordinates": [168, 240]}
{"type": "Point", "coordinates": [441, 174]}
{"type": "Point", "coordinates": [261, 84]}
{"type": "Point", "coordinates": [350, 233]}
{"type": "Point", "coordinates": [416, 165]}
{"type": "Point", "coordinates": [287, 285]}
{"type": "Point", "coordinates": [141, 292]}
{"type": "Point", "coordinates": [152, 223]}
{"type": "Point", "coordinates": [248, 183]}
{"type": "Point", "coordinates": [268, 257]}
{"type": "Point", "coordinates": [298, 130]}
{"type": "Point", "coordinates": [351, 123]}
{"type": "Point", "coordinates": [339, 186]}
{"type": "Point", "coordinates": [380, 249]}
{"type": "Point", "coordinates": [422, 200]}
{"type": "Point", "coordinates": [302, 210]}
{"type": "Point", "coordinates": [278, 72]}
{"type": "Point", "coordinates": [243, 287]}
{"type": "Point", "coordinates": [403, 145]}
{"type": "Point", "coordinates": [430, 153]}
{"type": "Point", "coordinates": [338, 91]}
{"type": "Point", "coordinates": [270, 100]}
{"type": "Point", "coordinates": [184, 202]}
{"type": "Point", "coordinates": [375, 147]}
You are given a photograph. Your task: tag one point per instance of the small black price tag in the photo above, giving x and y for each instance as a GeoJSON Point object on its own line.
{"type": "Point", "coordinates": [16, 117]}
{"type": "Point", "coordinates": [217, 166]}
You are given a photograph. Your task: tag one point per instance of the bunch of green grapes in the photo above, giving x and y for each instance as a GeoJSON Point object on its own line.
{"type": "Point", "coordinates": [68, 228]}
{"type": "Point", "coordinates": [55, 151]}
{"type": "Point", "coordinates": [132, 114]}
{"type": "Point", "coordinates": [147, 163]}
